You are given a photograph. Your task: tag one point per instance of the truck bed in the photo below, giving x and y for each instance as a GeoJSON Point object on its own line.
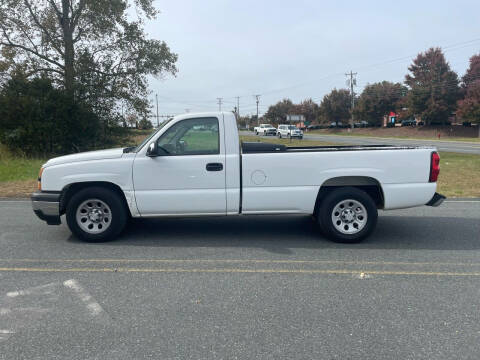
{"type": "Point", "coordinates": [260, 147]}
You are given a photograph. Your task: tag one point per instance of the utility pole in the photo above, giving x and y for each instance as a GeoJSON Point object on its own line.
{"type": "Point", "coordinates": [352, 82]}
{"type": "Point", "coordinates": [238, 107]}
{"type": "Point", "coordinates": [219, 102]}
{"type": "Point", "coordinates": [258, 100]}
{"type": "Point", "coordinates": [158, 122]}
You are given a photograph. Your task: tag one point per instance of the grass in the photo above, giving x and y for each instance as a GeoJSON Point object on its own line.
{"type": "Point", "coordinates": [288, 142]}
{"type": "Point", "coordinates": [459, 175]}
{"type": "Point", "coordinates": [18, 174]}
{"type": "Point", "coordinates": [393, 136]}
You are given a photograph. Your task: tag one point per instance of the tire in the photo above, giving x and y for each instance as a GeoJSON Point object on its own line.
{"type": "Point", "coordinates": [279, 135]}
{"type": "Point", "coordinates": [288, 136]}
{"type": "Point", "coordinates": [264, 133]}
{"type": "Point", "coordinates": [347, 224]}
{"type": "Point", "coordinates": [256, 132]}
{"type": "Point", "coordinates": [100, 208]}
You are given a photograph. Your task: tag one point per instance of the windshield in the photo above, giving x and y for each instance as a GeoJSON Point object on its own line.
{"type": "Point", "coordinates": [152, 135]}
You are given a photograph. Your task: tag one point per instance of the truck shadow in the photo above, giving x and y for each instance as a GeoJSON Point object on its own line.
{"type": "Point", "coordinates": [280, 234]}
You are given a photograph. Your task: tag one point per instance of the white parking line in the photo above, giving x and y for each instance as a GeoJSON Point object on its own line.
{"type": "Point", "coordinates": [5, 334]}
{"type": "Point", "coordinates": [34, 290]}
{"type": "Point", "coordinates": [93, 306]}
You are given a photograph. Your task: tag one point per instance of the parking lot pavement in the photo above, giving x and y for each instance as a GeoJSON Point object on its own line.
{"type": "Point", "coordinates": [265, 287]}
{"type": "Point", "coordinates": [449, 146]}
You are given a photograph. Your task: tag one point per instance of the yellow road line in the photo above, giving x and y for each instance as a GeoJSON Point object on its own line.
{"type": "Point", "coordinates": [236, 261]}
{"type": "Point", "coordinates": [261, 271]}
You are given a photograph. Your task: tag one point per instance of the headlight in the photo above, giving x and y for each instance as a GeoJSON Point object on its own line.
{"type": "Point", "coordinates": [39, 182]}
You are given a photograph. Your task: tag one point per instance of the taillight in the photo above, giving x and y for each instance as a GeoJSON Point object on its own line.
{"type": "Point", "coordinates": [434, 167]}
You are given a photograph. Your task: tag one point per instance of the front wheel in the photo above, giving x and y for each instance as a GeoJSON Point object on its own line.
{"type": "Point", "coordinates": [347, 215]}
{"type": "Point", "coordinates": [96, 214]}
{"type": "Point", "coordinates": [256, 132]}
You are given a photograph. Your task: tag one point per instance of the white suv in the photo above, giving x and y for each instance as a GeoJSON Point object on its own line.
{"type": "Point", "coordinates": [289, 131]}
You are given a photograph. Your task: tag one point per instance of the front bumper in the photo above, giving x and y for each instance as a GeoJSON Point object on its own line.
{"type": "Point", "coordinates": [46, 205]}
{"type": "Point", "coordinates": [436, 200]}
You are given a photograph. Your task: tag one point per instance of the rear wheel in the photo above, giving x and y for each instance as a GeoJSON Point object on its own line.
{"type": "Point", "coordinates": [256, 132]}
{"type": "Point", "coordinates": [96, 214]}
{"type": "Point", "coordinates": [279, 135]}
{"type": "Point", "coordinates": [347, 215]}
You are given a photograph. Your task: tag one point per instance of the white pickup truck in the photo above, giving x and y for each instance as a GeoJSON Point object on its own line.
{"type": "Point", "coordinates": [265, 129]}
{"type": "Point", "coordinates": [194, 165]}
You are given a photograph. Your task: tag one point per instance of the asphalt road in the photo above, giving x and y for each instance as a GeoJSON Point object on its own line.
{"type": "Point", "coordinates": [450, 146]}
{"type": "Point", "coordinates": [243, 288]}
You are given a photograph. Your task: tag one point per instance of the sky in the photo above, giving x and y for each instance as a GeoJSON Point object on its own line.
{"type": "Point", "coordinates": [299, 49]}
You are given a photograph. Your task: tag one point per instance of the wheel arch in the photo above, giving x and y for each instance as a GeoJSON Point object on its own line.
{"type": "Point", "coordinates": [69, 190]}
{"type": "Point", "coordinates": [365, 183]}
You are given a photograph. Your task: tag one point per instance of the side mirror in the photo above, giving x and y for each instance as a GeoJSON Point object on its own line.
{"type": "Point", "coordinates": [152, 150]}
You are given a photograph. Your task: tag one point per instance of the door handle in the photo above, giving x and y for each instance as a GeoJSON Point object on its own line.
{"type": "Point", "coordinates": [214, 167]}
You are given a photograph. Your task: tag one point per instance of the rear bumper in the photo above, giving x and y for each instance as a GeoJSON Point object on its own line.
{"type": "Point", "coordinates": [436, 200]}
{"type": "Point", "coordinates": [46, 205]}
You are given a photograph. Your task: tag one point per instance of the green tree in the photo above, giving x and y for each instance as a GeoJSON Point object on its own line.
{"type": "Point", "coordinates": [433, 87]}
{"type": "Point", "coordinates": [336, 106]}
{"type": "Point", "coordinates": [277, 113]}
{"type": "Point", "coordinates": [377, 100]}
{"type": "Point", "coordinates": [91, 48]}
{"type": "Point", "coordinates": [145, 124]}
{"type": "Point", "coordinates": [38, 119]}
{"type": "Point", "coordinates": [309, 109]}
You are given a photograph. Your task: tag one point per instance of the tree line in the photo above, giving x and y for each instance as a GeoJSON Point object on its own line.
{"type": "Point", "coordinates": [73, 71]}
{"type": "Point", "coordinates": [431, 92]}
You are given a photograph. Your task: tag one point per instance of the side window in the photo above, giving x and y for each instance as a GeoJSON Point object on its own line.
{"type": "Point", "coordinates": [192, 137]}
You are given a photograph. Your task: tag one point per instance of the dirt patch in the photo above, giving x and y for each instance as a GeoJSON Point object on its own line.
{"type": "Point", "coordinates": [17, 189]}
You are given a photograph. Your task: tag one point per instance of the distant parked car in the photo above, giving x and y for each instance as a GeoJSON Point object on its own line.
{"type": "Point", "coordinates": [316, 127]}
{"type": "Point", "coordinates": [420, 123]}
{"type": "Point", "coordinates": [289, 131]}
{"type": "Point", "coordinates": [265, 129]}
{"type": "Point", "coordinates": [409, 123]}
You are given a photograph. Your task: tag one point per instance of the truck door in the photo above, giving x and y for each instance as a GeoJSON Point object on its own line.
{"type": "Point", "coordinates": [189, 178]}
